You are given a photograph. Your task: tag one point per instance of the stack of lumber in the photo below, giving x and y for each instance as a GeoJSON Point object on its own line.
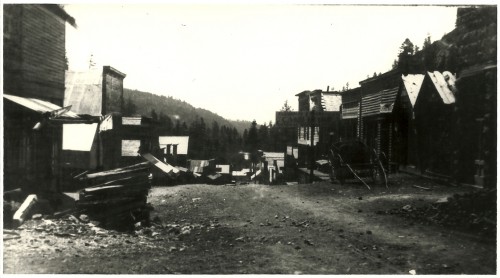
{"type": "Point", "coordinates": [117, 197]}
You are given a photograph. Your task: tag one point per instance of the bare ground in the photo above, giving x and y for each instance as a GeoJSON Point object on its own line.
{"type": "Point", "coordinates": [319, 228]}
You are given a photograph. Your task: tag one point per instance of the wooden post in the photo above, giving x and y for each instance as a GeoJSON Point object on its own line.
{"type": "Point", "coordinates": [311, 150]}
{"type": "Point", "coordinates": [389, 155]}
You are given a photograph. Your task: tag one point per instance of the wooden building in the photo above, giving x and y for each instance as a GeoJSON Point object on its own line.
{"type": "Point", "coordinates": [175, 149]}
{"type": "Point", "coordinates": [475, 117]}
{"type": "Point", "coordinates": [116, 140]}
{"type": "Point", "coordinates": [405, 132]}
{"type": "Point", "coordinates": [423, 114]}
{"type": "Point", "coordinates": [95, 92]}
{"type": "Point", "coordinates": [113, 141]}
{"type": "Point", "coordinates": [318, 109]}
{"type": "Point", "coordinates": [350, 115]}
{"type": "Point", "coordinates": [453, 134]}
{"type": "Point", "coordinates": [33, 83]}
{"type": "Point", "coordinates": [376, 123]}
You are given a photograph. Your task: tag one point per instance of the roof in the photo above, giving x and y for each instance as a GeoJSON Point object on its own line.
{"type": "Point", "coordinates": [59, 11]}
{"type": "Point", "coordinates": [84, 91]}
{"type": "Point", "coordinates": [444, 84]}
{"type": "Point", "coordinates": [271, 156]}
{"type": "Point", "coordinates": [378, 103]}
{"type": "Point", "coordinates": [383, 75]}
{"type": "Point", "coordinates": [412, 84]}
{"type": "Point", "coordinates": [351, 95]}
{"type": "Point", "coordinates": [304, 93]}
{"type": "Point", "coordinates": [111, 70]}
{"type": "Point", "coordinates": [40, 106]}
{"type": "Point", "coordinates": [350, 110]}
{"type": "Point", "coordinates": [388, 97]}
{"type": "Point", "coordinates": [197, 166]}
{"type": "Point", "coordinates": [328, 101]}
{"type": "Point", "coordinates": [471, 71]}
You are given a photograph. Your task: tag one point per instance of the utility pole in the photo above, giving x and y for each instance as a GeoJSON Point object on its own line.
{"type": "Point", "coordinates": [311, 149]}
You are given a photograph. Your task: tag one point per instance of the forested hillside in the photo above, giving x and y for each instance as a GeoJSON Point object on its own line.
{"type": "Point", "coordinates": [144, 103]}
{"type": "Point", "coordinates": [210, 135]}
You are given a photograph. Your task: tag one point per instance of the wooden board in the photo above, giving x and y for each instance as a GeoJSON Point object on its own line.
{"type": "Point", "coordinates": [166, 168]}
{"type": "Point", "coordinates": [140, 167]}
{"type": "Point", "coordinates": [24, 210]}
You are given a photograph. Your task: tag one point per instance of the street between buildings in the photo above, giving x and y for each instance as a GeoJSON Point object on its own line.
{"type": "Point", "coordinates": [319, 228]}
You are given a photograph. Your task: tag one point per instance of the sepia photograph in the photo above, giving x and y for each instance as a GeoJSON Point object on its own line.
{"type": "Point", "coordinates": [242, 138]}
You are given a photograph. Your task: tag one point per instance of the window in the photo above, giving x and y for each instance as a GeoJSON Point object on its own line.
{"type": "Point", "coordinates": [130, 147]}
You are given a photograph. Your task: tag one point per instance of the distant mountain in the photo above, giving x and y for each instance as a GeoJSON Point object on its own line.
{"type": "Point", "coordinates": [145, 102]}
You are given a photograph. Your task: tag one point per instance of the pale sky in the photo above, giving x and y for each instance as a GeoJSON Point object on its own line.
{"type": "Point", "coordinates": [243, 61]}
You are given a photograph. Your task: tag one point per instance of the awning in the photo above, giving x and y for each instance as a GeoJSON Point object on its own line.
{"type": "Point", "coordinates": [350, 110]}
{"type": "Point", "coordinates": [379, 103]}
{"type": "Point", "coordinates": [41, 106]}
{"type": "Point", "coordinates": [387, 99]}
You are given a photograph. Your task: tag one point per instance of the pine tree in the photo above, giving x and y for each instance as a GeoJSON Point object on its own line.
{"type": "Point", "coordinates": [286, 107]}
{"type": "Point", "coordinates": [154, 115]}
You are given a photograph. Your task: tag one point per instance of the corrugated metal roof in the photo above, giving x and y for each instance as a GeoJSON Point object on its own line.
{"type": "Point", "coordinates": [84, 91]}
{"type": "Point", "coordinates": [412, 84]}
{"type": "Point", "coordinates": [39, 106]}
{"type": "Point", "coordinates": [445, 85]}
{"type": "Point", "coordinates": [196, 166]}
{"type": "Point", "coordinates": [331, 102]}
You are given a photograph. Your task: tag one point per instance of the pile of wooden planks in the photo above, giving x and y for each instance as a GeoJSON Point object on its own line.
{"type": "Point", "coordinates": [117, 197]}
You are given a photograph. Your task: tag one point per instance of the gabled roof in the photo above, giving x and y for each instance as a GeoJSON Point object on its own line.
{"type": "Point", "coordinates": [412, 84]}
{"type": "Point", "coordinates": [444, 84]}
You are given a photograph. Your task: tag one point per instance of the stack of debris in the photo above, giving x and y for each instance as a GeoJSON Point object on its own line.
{"type": "Point", "coordinates": [117, 197]}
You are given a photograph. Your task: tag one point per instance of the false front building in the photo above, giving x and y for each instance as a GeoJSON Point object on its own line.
{"type": "Point", "coordinates": [315, 124]}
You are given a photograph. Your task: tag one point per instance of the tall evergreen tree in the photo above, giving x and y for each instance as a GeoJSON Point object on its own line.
{"type": "Point", "coordinates": [154, 115]}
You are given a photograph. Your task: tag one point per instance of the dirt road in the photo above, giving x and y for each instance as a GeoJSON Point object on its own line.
{"type": "Point", "coordinates": [318, 228]}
